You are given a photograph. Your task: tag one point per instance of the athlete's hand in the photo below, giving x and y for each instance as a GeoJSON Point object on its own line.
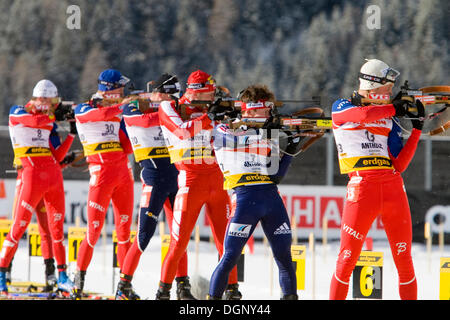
{"type": "Point", "coordinates": [417, 123]}
{"type": "Point", "coordinates": [216, 111]}
{"type": "Point", "coordinates": [73, 127]}
{"type": "Point", "coordinates": [356, 99]}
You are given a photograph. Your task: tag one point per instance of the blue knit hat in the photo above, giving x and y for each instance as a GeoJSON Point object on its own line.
{"type": "Point", "coordinates": [111, 79]}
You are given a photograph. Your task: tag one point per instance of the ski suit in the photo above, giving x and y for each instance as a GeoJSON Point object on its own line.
{"type": "Point", "coordinates": [244, 157]}
{"type": "Point", "coordinates": [159, 182]}
{"type": "Point", "coordinates": [106, 145]}
{"type": "Point", "coordinates": [371, 152]}
{"type": "Point", "coordinates": [41, 211]}
{"type": "Point", "coordinates": [40, 178]}
{"type": "Point", "coordinates": [200, 182]}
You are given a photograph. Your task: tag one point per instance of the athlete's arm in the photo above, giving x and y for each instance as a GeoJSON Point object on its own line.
{"type": "Point", "coordinates": [343, 111]}
{"type": "Point", "coordinates": [169, 118]}
{"type": "Point", "coordinates": [86, 113]}
{"type": "Point", "coordinates": [405, 154]}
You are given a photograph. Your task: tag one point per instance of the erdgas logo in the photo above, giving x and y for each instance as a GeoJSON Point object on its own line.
{"type": "Point", "coordinates": [239, 230]}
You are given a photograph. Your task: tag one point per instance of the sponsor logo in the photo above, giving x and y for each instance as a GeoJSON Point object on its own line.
{"type": "Point", "coordinates": [370, 145]}
{"type": "Point", "coordinates": [151, 215]}
{"type": "Point", "coordinates": [57, 217]}
{"type": "Point", "coordinates": [352, 232]}
{"type": "Point", "coordinates": [375, 161]}
{"type": "Point", "coordinates": [253, 177]}
{"type": "Point", "coordinates": [239, 230]}
{"type": "Point", "coordinates": [124, 218]}
{"type": "Point", "coordinates": [401, 247]}
{"type": "Point", "coordinates": [27, 206]}
{"type": "Point", "coordinates": [283, 229]}
{"type": "Point", "coordinates": [107, 146]}
{"type": "Point", "coordinates": [369, 258]}
{"type": "Point", "coordinates": [347, 254]}
{"type": "Point", "coordinates": [34, 150]}
{"type": "Point", "coordinates": [95, 205]}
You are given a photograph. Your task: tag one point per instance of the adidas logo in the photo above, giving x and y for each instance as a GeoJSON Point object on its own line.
{"type": "Point", "coordinates": [283, 229]}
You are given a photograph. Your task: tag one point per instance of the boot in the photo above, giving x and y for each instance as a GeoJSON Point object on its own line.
{"type": "Point", "coordinates": [50, 278]}
{"type": "Point", "coordinates": [64, 283]}
{"type": "Point", "coordinates": [125, 289]}
{"type": "Point", "coordinates": [163, 292]}
{"type": "Point", "coordinates": [184, 289]}
{"type": "Point", "coordinates": [3, 285]}
{"type": "Point", "coordinates": [232, 292]}
{"type": "Point", "coordinates": [78, 285]}
{"type": "Point", "coordinates": [8, 274]}
{"type": "Point", "coordinates": [210, 297]}
{"type": "Point", "coordinates": [290, 297]}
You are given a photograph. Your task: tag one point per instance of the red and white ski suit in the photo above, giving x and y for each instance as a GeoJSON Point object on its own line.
{"type": "Point", "coordinates": [106, 147]}
{"type": "Point", "coordinates": [369, 152]}
{"type": "Point", "coordinates": [200, 182]}
{"type": "Point", "coordinates": [40, 178]}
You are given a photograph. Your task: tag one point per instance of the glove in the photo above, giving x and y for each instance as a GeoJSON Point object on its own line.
{"type": "Point", "coordinates": [69, 158]}
{"type": "Point", "coordinates": [418, 123]}
{"type": "Point", "coordinates": [233, 114]}
{"type": "Point", "coordinates": [293, 143]}
{"type": "Point", "coordinates": [59, 113]}
{"type": "Point", "coordinates": [216, 111]}
{"type": "Point", "coordinates": [401, 106]}
{"type": "Point", "coordinates": [73, 127]}
{"type": "Point", "coordinates": [272, 123]}
{"type": "Point", "coordinates": [356, 99]}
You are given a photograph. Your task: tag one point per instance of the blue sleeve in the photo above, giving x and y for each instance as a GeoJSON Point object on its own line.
{"type": "Point", "coordinates": [82, 108]}
{"type": "Point", "coordinates": [123, 127]}
{"type": "Point", "coordinates": [285, 162]}
{"type": "Point", "coordinates": [395, 140]}
{"type": "Point", "coordinates": [222, 137]}
{"type": "Point", "coordinates": [131, 110]}
{"type": "Point", "coordinates": [341, 105]}
{"type": "Point", "coordinates": [55, 139]}
{"type": "Point", "coordinates": [17, 110]}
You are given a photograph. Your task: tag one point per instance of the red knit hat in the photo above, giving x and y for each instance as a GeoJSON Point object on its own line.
{"type": "Point", "coordinates": [200, 81]}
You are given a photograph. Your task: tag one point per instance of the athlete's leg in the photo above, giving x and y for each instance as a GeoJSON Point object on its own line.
{"type": "Point", "coordinates": [55, 206]}
{"type": "Point", "coordinates": [44, 230]}
{"type": "Point", "coordinates": [396, 219]}
{"type": "Point", "coordinates": [277, 228]}
{"type": "Point", "coordinates": [241, 227]}
{"type": "Point", "coordinates": [30, 194]}
{"type": "Point", "coordinates": [122, 201]}
{"type": "Point", "coordinates": [99, 197]}
{"type": "Point", "coordinates": [188, 203]}
{"type": "Point", "coordinates": [360, 210]}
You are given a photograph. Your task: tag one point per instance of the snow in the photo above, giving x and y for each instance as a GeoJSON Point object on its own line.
{"type": "Point", "coordinates": [258, 267]}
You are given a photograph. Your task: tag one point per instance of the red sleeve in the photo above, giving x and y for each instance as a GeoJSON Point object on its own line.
{"type": "Point", "coordinates": [142, 120]}
{"type": "Point", "coordinates": [60, 152]}
{"type": "Point", "coordinates": [364, 114]}
{"type": "Point", "coordinates": [125, 142]}
{"type": "Point", "coordinates": [169, 118]}
{"type": "Point", "coordinates": [99, 114]}
{"type": "Point", "coordinates": [407, 153]}
{"type": "Point", "coordinates": [32, 120]}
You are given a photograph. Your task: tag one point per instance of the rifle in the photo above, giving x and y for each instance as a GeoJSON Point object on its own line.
{"type": "Point", "coordinates": [431, 95]}
{"type": "Point", "coordinates": [312, 128]}
{"type": "Point", "coordinates": [427, 95]}
{"type": "Point", "coordinates": [142, 99]}
{"type": "Point", "coordinates": [235, 105]}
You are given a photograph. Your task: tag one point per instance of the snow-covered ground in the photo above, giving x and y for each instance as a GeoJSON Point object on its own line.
{"type": "Point", "coordinates": [260, 270]}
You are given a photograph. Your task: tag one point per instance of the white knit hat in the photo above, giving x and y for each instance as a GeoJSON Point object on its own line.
{"type": "Point", "coordinates": [376, 73]}
{"type": "Point", "coordinates": [45, 89]}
